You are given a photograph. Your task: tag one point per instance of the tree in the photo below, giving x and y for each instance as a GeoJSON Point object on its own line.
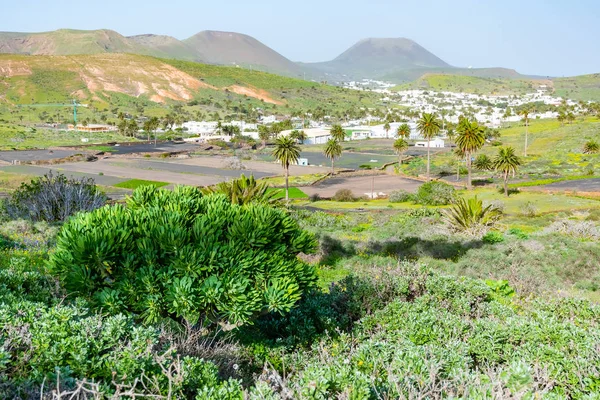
{"type": "Point", "coordinates": [403, 131]}
{"type": "Point", "coordinates": [525, 114]}
{"type": "Point", "coordinates": [146, 127]}
{"type": "Point", "coordinates": [337, 133]}
{"type": "Point", "coordinates": [154, 123]}
{"type": "Point", "coordinates": [470, 138]}
{"type": "Point", "coordinates": [122, 127]}
{"type": "Point", "coordinates": [386, 128]}
{"type": "Point", "coordinates": [483, 163]}
{"type": "Point", "coordinates": [506, 162]}
{"type": "Point", "coordinates": [400, 146]}
{"type": "Point", "coordinates": [302, 137]}
{"type": "Point", "coordinates": [333, 150]}
{"type": "Point", "coordinates": [132, 128]}
{"type": "Point", "coordinates": [286, 152]}
{"type": "Point", "coordinates": [428, 126]}
{"type": "Point", "coordinates": [263, 134]}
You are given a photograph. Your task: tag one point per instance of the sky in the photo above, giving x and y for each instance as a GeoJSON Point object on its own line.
{"type": "Point", "coordinates": [535, 37]}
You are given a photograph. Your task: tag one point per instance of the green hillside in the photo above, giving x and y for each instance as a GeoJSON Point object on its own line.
{"type": "Point", "coordinates": [36, 89]}
{"type": "Point", "coordinates": [472, 84]}
{"type": "Point", "coordinates": [584, 87]}
{"type": "Point", "coordinates": [68, 41]}
{"type": "Point", "coordinates": [408, 75]}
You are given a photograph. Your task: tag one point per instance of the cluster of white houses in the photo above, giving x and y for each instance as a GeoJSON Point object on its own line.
{"type": "Point", "coordinates": [203, 131]}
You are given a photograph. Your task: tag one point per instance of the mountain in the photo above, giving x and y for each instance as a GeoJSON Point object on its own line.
{"type": "Point", "coordinates": [167, 47]}
{"type": "Point", "coordinates": [213, 47]}
{"type": "Point", "coordinates": [229, 48]}
{"type": "Point", "coordinates": [109, 80]}
{"type": "Point", "coordinates": [374, 57]}
{"type": "Point", "coordinates": [68, 41]}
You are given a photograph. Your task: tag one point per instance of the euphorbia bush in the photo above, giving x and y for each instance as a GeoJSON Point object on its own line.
{"type": "Point", "coordinates": [180, 255]}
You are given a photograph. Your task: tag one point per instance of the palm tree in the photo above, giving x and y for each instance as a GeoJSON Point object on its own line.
{"type": "Point", "coordinates": [403, 131]}
{"type": "Point", "coordinates": [337, 133]}
{"type": "Point", "coordinates": [400, 146]}
{"type": "Point", "coordinates": [470, 139]}
{"type": "Point", "coordinates": [264, 134]}
{"type": "Point", "coordinates": [302, 136]}
{"type": "Point", "coordinates": [525, 114]}
{"type": "Point", "coordinates": [506, 162]}
{"type": "Point", "coordinates": [333, 150]}
{"type": "Point", "coordinates": [483, 163]}
{"type": "Point", "coordinates": [286, 152]}
{"type": "Point", "coordinates": [428, 126]}
{"type": "Point", "coordinates": [386, 128]}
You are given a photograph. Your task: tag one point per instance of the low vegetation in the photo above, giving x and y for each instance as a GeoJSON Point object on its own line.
{"type": "Point", "coordinates": [136, 183]}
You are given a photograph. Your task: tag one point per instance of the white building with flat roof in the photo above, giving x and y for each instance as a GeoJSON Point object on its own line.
{"type": "Point", "coordinates": [313, 135]}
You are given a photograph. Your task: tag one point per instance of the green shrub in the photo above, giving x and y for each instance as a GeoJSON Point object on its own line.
{"type": "Point", "coordinates": [400, 196]}
{"type": "Point", "coordinates": [180, 255]}
{"type": "Point", "coordinates": [436, 193]}
{"type": "Point", "coordinates": [452, 337]}
{"type": "Point", "coordinates": [69, 343]}
{"type": "Point", "coordinates": [344, 195]}
{"type": "Point", "coordinates": [529, 209]}
{"type": "Point", "coordinates": [493, 237]}
{"type": "Point", "coordinates": [471, 216]}
{"type": "Point", "coordinates": [54, 198]}
{"type": "Point", "coordinates": [243, 191]}
{"type": "Point", "coordinates": [518, 233]}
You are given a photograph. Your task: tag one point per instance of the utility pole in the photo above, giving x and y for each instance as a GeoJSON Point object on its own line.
{"type": "Point", "coordinates": [373, 188]}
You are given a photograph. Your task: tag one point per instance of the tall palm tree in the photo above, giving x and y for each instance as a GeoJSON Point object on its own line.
{"type": "Point", "coordinates": [337, 133]}
{"type": "Point", "coordinates": [386, 128]}
{"type": "Point", "coordinates": [286, 152]}
{"type": "Point", "coordinates": [506, 162]}
{"type": "Point", "coordinates": [333, 150]}
{"type": "Point", "coordinates": [428, 126]}
{"type": "Point", "coordinates": [525, 114]}
{"type": "Point", "coordinates": [400, 146]}
{"type": "Point", "coordinates": [403, 131]}
{"type": "Point", "coordinates": [470, 138]}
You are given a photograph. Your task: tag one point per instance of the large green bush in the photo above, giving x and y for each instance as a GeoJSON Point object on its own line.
{"type": "Point", "coordinates": [180, 255]}
{"type": "Point", "coordinates": [435, 193]}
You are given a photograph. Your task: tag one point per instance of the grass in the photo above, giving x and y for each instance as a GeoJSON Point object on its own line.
{"type": "Point", "coordinates": [583, 87]}
{"type": "Point", "coordinates": [296, 180]}
{"type": "Point", "coordinates": [135, 183]}
{"type": "Point", "coordinates": [10, 181]}
{"type": "Point", "coordinates": [294, 193]}
{"type": "Point", "coordinates": [470, 84]}
{"type": "Point", "coordinates": [106, 149]}
{"type": "Point", "coordinates": [555, 151]}
{"type": "Point", "coordinates": [513, 205]}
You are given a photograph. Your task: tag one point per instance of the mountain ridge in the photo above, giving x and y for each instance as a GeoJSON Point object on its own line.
{"type": "Point", "coordinates": [397, 60]}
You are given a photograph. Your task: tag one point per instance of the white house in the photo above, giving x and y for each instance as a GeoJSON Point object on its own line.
{"type": "Point", "coordinates": [313, 135]}
{"type": "Point", "coordinates": [201, 128]}
{"type": "Point", "coordinates": [432, 143]}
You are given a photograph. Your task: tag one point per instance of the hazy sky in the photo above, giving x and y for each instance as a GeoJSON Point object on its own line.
{"type": "Point", "coordinates": [544, 37]}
